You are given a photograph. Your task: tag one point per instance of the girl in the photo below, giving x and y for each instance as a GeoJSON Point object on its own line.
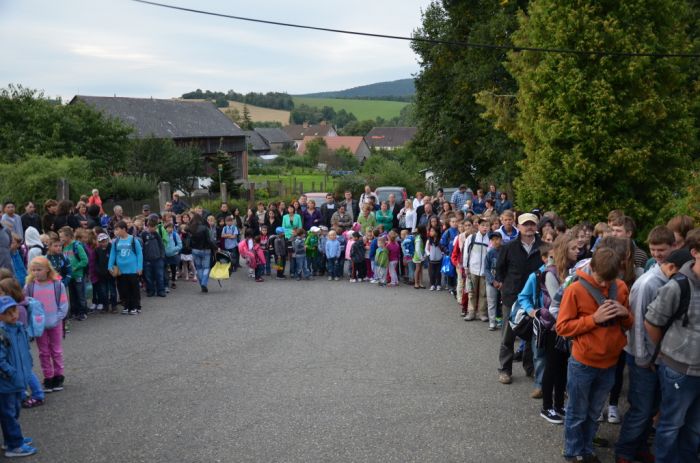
{"type": "Point", "coordinates": [434, 253]}
{"type": "Point", "coordinates": [35, 244]}
{"type": "Point", "coordinates": [419, 256]}
{"type": "Point", "coordinates": [202, 245]}
{"type": "Point", "coordinates": [172, 252]}
{"type": "Point", "coordinates": [89, 240]}
{"type": "Point", "coordinates": [44, 284]}
{"type": "Point", "coordinates": [186, 261]}
{"type": "Point", "coordinates": [245, 250]}
{"type": "Point", "coordinates": [264, 244]}
{"type": "Point", "coordinates": [259, 259]}
{"type": "Point", "coordinates": [394, 250]}
{"type": "Point", "coordinates": [17, 260]}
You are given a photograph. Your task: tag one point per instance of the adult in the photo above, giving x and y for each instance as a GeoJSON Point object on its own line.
{"type": "Point", "coordinates": [352, 207]}
{"type": "Point", "coordinates": [365, 197]}
{"type": "Point", "coordinates": [118, 216]}
{"type": "Point", "coordinates": [64, 216]}
{"type": "Point", "coordinates": [328, 209]}
{"type": "Point", "coordinates": [93, 214]}
{"type": "Point", "coordinates": [223, 212]}
{"type": "Point", "coordinates": [366, 218]}
{"type": "Point", "coordinates": [445, 213]}
{"type": "Point", "coordinates": [385, 217]}
{"type": "Point", "coordinates": [202, 246]}
{"type": "Point", "coordinates": [290, 222]}
{"type": "Point", "coordinates": [81, 215]}
{"type": "Point", "coordinates": [272, 221]}
{"type": "Point", "coordinates": [492, 194]}
{"type": "Point", "coordinates": [407, 217]}
{"type": "Point", "coordinates": [479, 202]}
{"type": "Point", "coordinates": [237, 219]}
{"type": "Point", "coordinates": [281, 209]}
{"type": "Point", "coordinates": [342, 218]}
{"type": "Point", "coordinates": [146, 211]}
{"type": "Point", "coordinates": [11, 220]}
{"type": "Point", "coordinates": [427, 213]}
{"type": "Point", "coordinates": [50, 209]}
{"type": "Point", "coordinates": [395, 208]}
{"type": "Point", "coordinates": [460, 197]}
{"type": "Point", "coordinates": [30, 218]}
{"type": "Point", "coordinates": [516, 261]}
{"type": "Point", "coordinates": [503, 203]}
{"type": "Point", "coordinates": [311, 216]}
{"type": "Point", "coordinates": [297, 206]}
{"type": "Point", "coordinates": [303, 204]}
{"type": "Point", "coordinates": [489, 211]}
{"type": "Point", "coordinates": [5, 243]}
{"type": "Point", "coordinates": [95, 199]}
{"type": "Point", "coordinates": [439, 199]}
{"type": "Point", "coordinates": [179, 206]}
{"type": "Point", "coordinates": [261, 213]}
{"type": "Point", "coordinates": [418, 200]}
{"type": "Point", "coordinates": [251, 222]}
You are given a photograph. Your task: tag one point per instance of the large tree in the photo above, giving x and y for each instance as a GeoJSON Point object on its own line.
{"type": "Point", "coordinates": [603, 132]}
{"type": "Point", "coordinates": [453, 138]}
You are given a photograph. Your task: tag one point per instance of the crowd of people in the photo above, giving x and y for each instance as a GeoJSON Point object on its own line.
{"type": "Point", "coordinates": [581, 303]}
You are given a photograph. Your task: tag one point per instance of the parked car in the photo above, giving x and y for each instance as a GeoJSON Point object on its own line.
{"type": "Point", "coordinates": [383, 193]}
{"type": "Point", "coordinates": [319, 198]}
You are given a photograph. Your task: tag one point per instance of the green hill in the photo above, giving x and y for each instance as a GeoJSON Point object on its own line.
{"type": "Point", "coordinates": [362, 109]}
{"type": "Point", "coordinates": [403, 88]}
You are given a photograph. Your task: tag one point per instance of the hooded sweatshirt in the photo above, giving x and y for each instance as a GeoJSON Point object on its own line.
{"type": "Point", "coordinates": [34, 245]}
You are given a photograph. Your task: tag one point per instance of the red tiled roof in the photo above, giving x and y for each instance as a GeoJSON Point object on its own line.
{"type": "Point", "coordinates": [334, 143]}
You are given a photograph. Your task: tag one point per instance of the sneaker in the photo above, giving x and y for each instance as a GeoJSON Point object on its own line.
{"type": "Point", "coordinates": [551, 416]}
{"type": "Point", "coordinates": [173, 285]}
{"type": "Point", "coordinates": [163, 294]}
{"type": "Point", "coordinates": [48, 384]}
{"type": "Point", "coordinates": [432, 288]}
{"type": "Point", "coordinates": [613, 415]}
{"type": "Point", "coordinates": [560, 411]}
{"type": "Point", "coordinates": [438, 288]}
{"type": "Point", "coordinates": [92, 307]}
{"type": "Point", "coordinates": [601, 442]}
{"type": "Point", "coordinates": [601, 418]}
{"type": "Point", "coordinates": [58, 383]}
{"type": "Point", "coordinates": [81, 317]}
{"type": "Point", "coordinates": [204, 289]}
{"type": "Point", "coordinates": [138, 311]}
{"type": "Point", "coordinates": [537, 394]}
{"type": "Point", "coordinates": [27, 441]}
{"type": "Point", "coordinates": [484, 318]}
{"type": "Point", "coordinates": [167, 290]}
{"type": "Point", "coordinates": [505, 378]}
{"type": "Point", "coordinates": [132, 312]}
{"type": "Point", "coordinates": [23, 451]}
{"type": "Point", "coordinates": [373, 281]}
{"type": "Point", "coordinates": [492, 327]}
{"type": "Point", "coordinates": [125, 311]}
{"type": "Point", "coordinates": [518, 356]}
{"type": "Point", "coordinates": [100, 307]}
{"type": "Point", "coordinates": [259, 280]}
{"type": "Point", "coordinates": [353, 280]}
{"type": "Point", "coordinates": [470, 317]}
{"type": "Point", "coordinates": [336, 279]}
{"type": "Point", "coordinates": [330, 278]}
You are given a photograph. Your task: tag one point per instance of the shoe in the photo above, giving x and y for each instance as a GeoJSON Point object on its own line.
{"type": "Point", "coordinates": [100, 307]}
{"type": "Point", "coordinates": [204, 289]}
{"type": "Point", "coordinates": [92, 307]}
{"type": "Point", "coordinates": [298, 278]}
{"type": "Point", "coordinates": [575, 459]}
{"type": "Point", "coordinates": [470, 317]}
{"type": "Point", "coordinates": [336, 279]}
{"type": "Point", "coordinates": [551, 416]}
{"type": "Point", "coordinates": [48, 384]}
{"type": "Point", "coordinates": [560, 411]}
{"type": "Point", "coordinates": [530, 373]}
{"type": "Point", "coordinates": [601, 442]}
{"type": "Point", "coordinates": [167, 290]}
{"type": "Point", "coordinates": [492, 327]}
{"type": "Point", "coordinates": [281, 278]}
{"type": "Point", "coordinates": [259, 280]}
{"type": "Point", "coordinates": [484, 318]}
{"type": "Point", "coordinates": [163, 294]}
{"type": "Point", "coordinates": [132, 312]}
{"type": "Point", "coordinates": [536, 394]}
{"type": "Point", "coordinates": [601, 418]}
{"type": "Point", "coordinates": [613, 415]}
{"type": "Point", "coordinates": [23, 451]}
{"type": "Point", "coordinates": [438, 288]}
{"type": "Point", "coordinates": [373, 281]}
{"type": "Point", "coordinates": [505, 378]}
{"type": "Point", "coordinates": [173, 285]}
{"type": "Point", "coordinates": [27, 441]}
{"type": "Point", "coordinates": [150, 294]}
{"type": "Point", "coordinates": [58, 383]}
{"type": "Point", "coordinates": [432, 288]}
{"type": "Point", "coordinates": [138, 311]}
{"type": "Point", "coordinates": [125, 311]}
{"type": "Point", "coordinates": [352, 280]}
{"type": "Point", "coordinates": [81, 317]}
{"type": "Point", "coordinates": [30, 402]}
{"type": "Point", "coordinates": [518, 356]}
{"type": "Point", "coordinates": [330, 278]}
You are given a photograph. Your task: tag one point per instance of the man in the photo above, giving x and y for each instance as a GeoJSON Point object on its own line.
{"type": "Point", "coordinates": [50, 209]}
{"type": "Point", "coordinates": [516, 261]}
{"type": "Point", "coordinates": [459, 197]}
{"type": "Point", "coordinates": [479, 202]}
{"type": "Point", "coordinates": [474, 262]}
{"type": "Point", "coordinates": [365, 197]}
{"type": "Point", "coordinates": [678, 430]}
{"type": "Point", "coordinates": [178, 205]}
{"type": "Point", "coordinates": [351, 206]}
{"type": "Point", "coordinates": [12, 220]}
{"type": "Point", "coordinates": [342, 218]}
{"type": "Point", "coordinates": [328, 209]}
{"type": "Point", "coordinates": [146, 210]}
{"type": "Point", "coordinates": [624, 227]}
{"type": "Point", "coordinates": [116, 218]}
{"type": "Point", "coordinates": [424, 218]}
{"type": "Point", "coordinates": [493, 194]}
{"type": "Point", "coordinates": [30, 218]}
{"type": "Point", "coordinates": [223, 212]}
{"type": "Point", "coordinates": [439, 199]}
{"type": "Point", "coordinates": [395, 208]}
{"type": "Point", "coordinates": [302, 202]}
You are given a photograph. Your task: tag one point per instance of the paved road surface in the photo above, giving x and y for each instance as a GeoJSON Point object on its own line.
{"type": "Point", "coordinates": [290, 372]}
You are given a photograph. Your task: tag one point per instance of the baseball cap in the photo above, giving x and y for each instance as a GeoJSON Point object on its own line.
{"type": "Point", "coordinates": [527, 217]}
{"type": "Point", "coordinates": [146, 207]}
{"type": "Point", "coordinates": [6, 302]}
{"type": "Point", "coordinates": [679, 257]}
{"type": "Point", "coordinates": [314, 229]}
{"type": "Point", "coordinates": [279, 230]}
{"type": "Point", "coordinates": [102, 237]}
{"type": "Point", "coordinates": [494, 234]}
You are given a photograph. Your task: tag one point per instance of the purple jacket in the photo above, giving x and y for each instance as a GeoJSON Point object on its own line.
{"type": "Point", "coordinates": [311, 220]}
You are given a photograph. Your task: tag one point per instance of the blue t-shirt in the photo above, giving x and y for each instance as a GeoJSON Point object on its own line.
{"type": "Point", "coordinates": [230, 243]}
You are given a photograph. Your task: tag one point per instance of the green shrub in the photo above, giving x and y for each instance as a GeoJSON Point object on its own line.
{"type": "Point", "coordinates": [354, 183]}
{"type": "Point", "coordinates": [130, 187]}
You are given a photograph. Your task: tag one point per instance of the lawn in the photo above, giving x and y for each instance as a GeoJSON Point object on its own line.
{"type": "Point", "coordinates": [305, 179]}
{"type": "Point", "coordinates": [362, 109]}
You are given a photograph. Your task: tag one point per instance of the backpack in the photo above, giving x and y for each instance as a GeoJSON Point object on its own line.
{"type": "Point", "coordinates": [681, 311]}
{"type": "Point", "coordinates": [598, 296]}
{"type": "Point", "coordinates": [408, 246]}
{"type": "Point", "coordinates": [36, 314]}
{"type": "Point", "coordinates": [44, 250]}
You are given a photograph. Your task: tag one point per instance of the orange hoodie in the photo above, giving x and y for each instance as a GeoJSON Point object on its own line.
{"type": "Point", "coordinates": [593, 345]}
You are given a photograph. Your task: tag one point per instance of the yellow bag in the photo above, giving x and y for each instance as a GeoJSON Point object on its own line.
{"type": "Point", "coordinates": [220, 271]}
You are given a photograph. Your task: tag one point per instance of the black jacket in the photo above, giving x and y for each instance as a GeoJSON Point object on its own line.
{"type": "Point", "coordinates": [514, 266]}
{"type": "Point", "coordinates": [327, 213]}
{"type": "Point", "coordinates": [31, 220]}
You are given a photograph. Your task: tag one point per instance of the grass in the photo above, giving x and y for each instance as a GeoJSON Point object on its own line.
{"type": "Point", "coordinates": [258, 114]}
{"type": "Point", "coordinates": [362, 109]}
{"type": "Point", "coordinates": [288, 180]}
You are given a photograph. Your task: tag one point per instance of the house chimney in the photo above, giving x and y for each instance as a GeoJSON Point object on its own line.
{"type": "Point", "coordinates": [305, 124]}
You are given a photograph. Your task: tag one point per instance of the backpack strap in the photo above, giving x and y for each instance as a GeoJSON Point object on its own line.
{"type": "Point", "coordinates": [57, 292]}
{"type": "Point", "coordinates": [681, 311]}
{"type": "Point", "coordinates": [595, 292]}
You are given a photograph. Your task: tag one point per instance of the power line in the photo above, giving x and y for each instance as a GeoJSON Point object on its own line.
{"type": "Point", "coordinates": [427, 40]}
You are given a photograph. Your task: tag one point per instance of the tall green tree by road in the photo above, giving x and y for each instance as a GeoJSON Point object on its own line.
{"type": "Point", "coordinates": [603, 132]}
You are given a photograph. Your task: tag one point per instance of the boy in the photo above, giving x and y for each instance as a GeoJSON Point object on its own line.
{"type": "Point", "coordinates": [153, 260]}
{"type": "Point", "coordinates": [357, 258]}
{"type": "Point", "coordinates": [446, 244]}
{"type": "Point", "coordinates": [78, 258]}
{"type": "Point", "coordinates": [595, 313]}
{"type": "Point", "coordinates": [16, 368]}
{"type": "Point", "coordinates": [493, 295]}
{"type": "Point", "coordinates": [322, 240]}
{"type": "Point", "coordinates": [106, 286]}
{"type": "Point", "coordinates": [407, 248]}
{"type": "Point", "coordinates": [126, 265]}
{"type": "Point", "coordinates": [374, 234]}
{"type": "Point", "coordinates": [474, 261]}
{"type": "Point", "coordinates": [299, 254]}
{"type": "Point", "coordinates": [59, 261]}
{"type": "Point", "coordinates": [332, 252]}
{"type": "Point", "coordinates": [280, 245]}
{"type": "Point", "coordinates": [230, 236]}
{"type": "Point", "coordinates": [312, 250]}
{"type": "Point", "coordinates": [381, 262]}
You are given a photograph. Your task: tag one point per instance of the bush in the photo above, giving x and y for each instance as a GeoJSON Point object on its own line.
{"type": "Point", "coordinates": [354, 183]}
{"type": "Point", "coordinates": [130, 187]}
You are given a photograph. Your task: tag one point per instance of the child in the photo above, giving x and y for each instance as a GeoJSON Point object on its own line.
{"type": "Point", "coordinates": [44, 285]}
{"type": "Point", "coordinates": [79, 264]}
{"type": "Point", "coordinates": [17, 260]}
{"type": "Point", "coordinates": [381, 261]}
{"type": "Point", "coordinates": [332, 253]}
{"type": "Point", "coordinates": [59, 261]}
{"type": "Point", "coordinates": [230, 236]}
{"type": "Point", "coordinates": [245, 250]}
{"type": "Point", "coordinates": [493, 295]}
{"type": "Point", "coordinates": [312, 250]}
{"type": "Point", "coordinates": [16, 367]}
{"type": "Point", "coordinates": [407, 249]}
{"type": "Point", "coordinates": [172, 253]}
{"type": "Point", "coordinates": [299, 254]}
{"type": "Point", "coordinates": [36, 243]}
{"type": "Point", "coordinates": [367, 243]}
{"type": "Point", "coordinates": [213, 229]}
{"type": "Point", "coordinates": [418, 256]}
{"type": "Point", "coordinates": [432, 249]}
{"type": "Point", "coordinates": [594, 312]}
{"type": "Point", "coordinates": [126, 264]}
{"type": "Point", "coordinates": [106, 288]}
{"type": "Point", "coordinates": [374, 233]}
{"type": "Point", "coordinates": [89, 241]}
{"type": "Point", "coordinates": [264, 241]}
{"type": "Point", "coordinates": [357, 259]}
{"type": "Point", "coordinates": [153, 260]}
{"type": "Point", "coordinates": [259, 259]}
{"type": "Point", "coordinates": [394, 251]}
{"type": "Point", "coordinates": [186, 259]}
{"type": "Point", "coordinates": [280, 244]}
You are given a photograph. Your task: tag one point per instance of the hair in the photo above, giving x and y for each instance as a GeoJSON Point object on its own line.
{"type": "Point", "coordinates": [332, 234]}
{"type": "Point", "coordinates": [89, 236]}
{"type": "Point", "coordinates": [681, 224]}
{"type": "Point", "coordinates": [16, 238]}
{"type": "Point", "coordinates": [625, 221]}
{"type": "Point", "coordinates": [692, 239]}
{"type": "Point", "coordinates": [154, 222]}
{"type": "Point", "coordinates": [600, 229]}
{"type": "Point", "coordinates": [614, 214]}
{"type": "Point", "coordinates": [561, 254]}
{"type": "Point", "coordinates": [623, 248]}
{"type": "Point", "coordinates": [49, 203]}
{"type": "Point", "coordinates": [44, 262]}
{"type": "Point", "coordinates": [297, 232]}
{"type": "Point", "coordinates": [121, 224]}
{"type": "Point", "coordinates": [6, 273]}
{"type": "Point", "coordinates": [545, 249]}
{"type": "Point", "coordinates": [553, 233]}
{"type": "Point", "coordinates": [66, 231]}
{"type": "Point", "coordinates": [64, 207]}
{"type": "Point", "coordinates": [661, 235]}
{"type": "Point", "coordinates": [508, 213]}
{"type": "Point", "coordinates": [256, 240]}
{"type": "Point", "coordinates": [11, 287]}
{"type": "Point", "coordinates": [606, 263]}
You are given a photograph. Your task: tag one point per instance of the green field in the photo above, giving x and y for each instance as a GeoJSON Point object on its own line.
{"type": "Point", "coordinates": [288, 180]}
{"type": "Point", "coordinates": [362, 109]}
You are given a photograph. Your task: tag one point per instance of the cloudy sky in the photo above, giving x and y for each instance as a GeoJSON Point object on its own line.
{"type": "Point", "coordinates": [107, 47]}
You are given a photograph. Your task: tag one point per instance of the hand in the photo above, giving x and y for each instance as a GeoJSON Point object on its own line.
{"type": "Point", "coordinates": [139, 273]}
{"type": "Point", "coordinates": [620, 310]}
{"type": "Point", "coordinates": [606, 311]}
{"type": "Point", "coordinates": [533, 313]}
{"type": "Point", "coordinates": [497, 284]}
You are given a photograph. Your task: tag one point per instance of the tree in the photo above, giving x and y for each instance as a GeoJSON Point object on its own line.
{"type": "Point", "coordinates": [359, 128]}
{"type": "Point", "coordinates": [246, 121]}
{"type": "Point", "coordinates": [313, 150]}
{"type": "Point", "coordinates": [602, 132]}
{"type": "Point", "coordinates": [453, 138]}
{"type": "Point", "coordinates": [222, 162]}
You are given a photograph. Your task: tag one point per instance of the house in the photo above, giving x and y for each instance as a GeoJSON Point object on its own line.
{"type": "Point", "coordinates": [185, 122]}
{"type": "Point", "coordinates": [297, 132]}
{"type": "Point", "coordinates": [277, 139]}
{"type": "Point", "coordinates": [390, 138]}
{"type": "Point", "coordinates": [356, 145]}
{"type": "Point", "coordinates": [256, 143]}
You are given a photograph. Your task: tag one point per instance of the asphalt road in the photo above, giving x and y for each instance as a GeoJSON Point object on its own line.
{"type": "Point", "coordinates": [288, 371]}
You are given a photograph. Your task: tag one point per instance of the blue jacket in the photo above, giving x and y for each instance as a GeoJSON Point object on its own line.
{"type": "Point", "coordinates": [332, 249]}
{"type": "Point", "coordinates": [122, 254]}
{"type": "Point", "coordinates": [530, 298]}
{"type": "Point", "coordinates": [447, 240]}
{"type": "Point", "coordinates": [490, 265]}
{"type": "Point", "coordinates": [372, 248]}
{"type": "Point", "coordinates": [15, 359]}
{"type": "Point", "coordinates": [174, 245]}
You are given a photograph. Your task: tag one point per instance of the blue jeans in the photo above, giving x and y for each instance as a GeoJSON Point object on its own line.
{"type": "Point", "coordinates": [539, 358]}
{"type": "Point", "coordinates": [35, 387]}
{"type": "Point", "coordinates": [10, 405]}
{"type": "Point", "coordinates": [106, 290]}
{"type": "Point", "coordinates": [643, 397]}
{"type": "Point", "coordinates": [410, 268]}
{"type": "Point", "coordinates": [153, 271]}
{"type": "Point", "coordinates": [588, 388]}
{"type": "Point", "coordinates": [202, 262]}
{"type": "Point", "coordinates": [678, 432]}
{"type": "Point", "coordinates": [300, 266]}
{"type": "Point", "coordinates": [268, 264]}
{"type": "Point", "coordinates": [332, 265]}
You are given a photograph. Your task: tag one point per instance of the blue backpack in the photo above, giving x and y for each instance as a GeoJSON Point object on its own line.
{"type": "Point", "coordinates": [408, 246]}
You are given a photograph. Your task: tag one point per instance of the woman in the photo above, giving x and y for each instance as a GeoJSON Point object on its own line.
{"type": "Point", "coordinates": [297, 206]}
{"type": "Point", "coordinates": [201, 249]}
{"type": "Point", "coordinates": [311, 216]}
{"type": "Point", "coordinates": [95, 199]}
{"type": "Point", "coordinates": [281, 209]}
{"type": "Point", "coordinates": [407, 217]}
{"type": "Point", "coordinates": [81, 215]}
{"type": "Point", "coordinates": [64, 216]}
{"type": "Point", "coordinates": [435, 223]}
{"type": "Point", "coordinates": [50, 208]}
{"type": "Point", "coordinates": [272, 220]}
{"type": "Point", "coordinates": [503, 203]}
{"type": "Point", "coordinates": [445, 213]}
{"type": "Point", "coordinates": [237, 218]}
{"type": "Point", "coordinates": [385, 217]}
{"type": "Point", "coordinates": [251, 222]}
{"type": "Point", "coordinates": [291, 221]}
{"type": "Point", "coordinates": [418, 200]}
{"type": "Point", "coordinates": [366, 218]}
